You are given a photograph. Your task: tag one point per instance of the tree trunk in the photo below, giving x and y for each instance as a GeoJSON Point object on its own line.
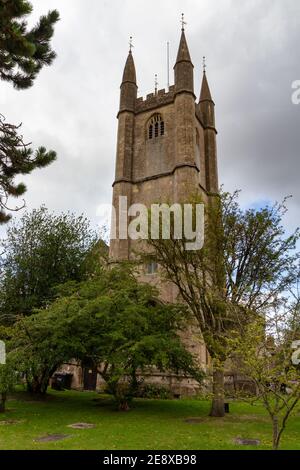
{"type": "Point", "coordinates": [218, 405]}
{"type": "Point", "coordinates": [38, 385]}
{"type": "Point", "coordinates": [123, 405]}
{"type": "Point", "coordinates": [36, 388]}
{"type": "Point", "coordinates": [275, 433]}
{"type": "Point", "coordinates": [3, 398]}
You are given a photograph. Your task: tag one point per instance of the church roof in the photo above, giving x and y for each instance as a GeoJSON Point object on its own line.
{"type": "Point", "coordinates": [129, 74]}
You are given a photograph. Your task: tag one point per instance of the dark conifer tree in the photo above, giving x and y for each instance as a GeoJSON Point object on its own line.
{"type": "Point", "coordinates": [23, 53]}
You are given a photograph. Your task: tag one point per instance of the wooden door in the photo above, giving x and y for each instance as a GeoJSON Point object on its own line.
{"type": "Point", "coordinates": [89, 378]}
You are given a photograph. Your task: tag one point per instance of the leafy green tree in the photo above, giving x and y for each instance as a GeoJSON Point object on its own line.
{"type": "Point", "coordinates": [143, 333]}
{"type": "Point", "coordinates": [268, 353]}
{"type": "Point", "coordinates": [39, 347]}
{"type": "Point", "coordinates": [8, 379]}
{"type": "Point", "coordinates": [41, 251]}
{"type": "Point", "coordinates": [110, 319]}
{"type": "Point", "coordinates": [245, 263]}
{"type": "Point", "coordinates": [23, 53]}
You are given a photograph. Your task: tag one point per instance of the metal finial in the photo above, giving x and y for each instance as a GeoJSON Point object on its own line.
{"type": "Point", "coordinates": [131, 46]}
{"type": "Point", "coordinates": [156, 84]}
{"type": "Point", "coordinates": [204, 64]}
{"type": "Point", "coordinates": [183, 23]}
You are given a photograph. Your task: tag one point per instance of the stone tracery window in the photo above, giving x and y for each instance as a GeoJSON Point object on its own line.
{"type": "Point", "coordinates": [156, 127]}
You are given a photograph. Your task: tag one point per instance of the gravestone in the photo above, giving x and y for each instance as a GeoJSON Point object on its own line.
{"type": "Point", "coordinates": [82, 426]}
{"type": "Point", "coordinates": [52, 438]}
{"type": "Point", "coordinates": [194, 420]}
{"type": "Point", "coordinates": [2, 353]}
{"type": "Point", "coordinates": [247, 442]}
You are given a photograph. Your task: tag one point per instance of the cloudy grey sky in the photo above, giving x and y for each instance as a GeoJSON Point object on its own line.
{"type": "Point", "coordinates": [252, 51]}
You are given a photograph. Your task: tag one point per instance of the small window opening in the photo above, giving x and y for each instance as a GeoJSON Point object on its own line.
{"type": "Point", "coordinates": [152, 268]}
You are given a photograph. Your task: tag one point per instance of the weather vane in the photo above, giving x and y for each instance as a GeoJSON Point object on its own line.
{"type": "Point", "coordinates": [204, 64]}
{"type": "Point", "coordinates": [183, 23]}
{"type": "Point", "coordinates": [130, 44]}
{"type": "Point", "coordinates": [156, 84]}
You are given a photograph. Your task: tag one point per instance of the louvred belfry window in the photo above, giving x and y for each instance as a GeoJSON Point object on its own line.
{"type": "Point", "coordinates": [151, 131]}
{"type": "Point", "coordinates": [156, 127]}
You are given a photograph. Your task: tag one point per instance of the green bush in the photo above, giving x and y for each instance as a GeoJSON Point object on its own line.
{"type": "Point", "coordinates": [152, 391]}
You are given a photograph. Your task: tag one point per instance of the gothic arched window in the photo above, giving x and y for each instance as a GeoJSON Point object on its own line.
{"type": "Point", "coordinates": [156, 127]}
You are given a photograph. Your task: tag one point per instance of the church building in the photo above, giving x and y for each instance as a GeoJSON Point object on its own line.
{"type": "Point", "coordinates": [166, 154]}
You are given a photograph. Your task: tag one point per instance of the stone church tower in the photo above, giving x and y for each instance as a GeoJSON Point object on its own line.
{"type": "Point", "coordinates": [166, 152]}
{"type": "Point", "coordinates": [166, 145]}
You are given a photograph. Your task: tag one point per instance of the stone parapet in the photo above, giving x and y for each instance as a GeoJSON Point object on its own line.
{"type": "Point", "coordinates": [152, 101]}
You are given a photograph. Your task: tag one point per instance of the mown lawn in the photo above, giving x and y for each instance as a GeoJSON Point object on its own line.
{"type": "Point", "coordinates": [151, 424]}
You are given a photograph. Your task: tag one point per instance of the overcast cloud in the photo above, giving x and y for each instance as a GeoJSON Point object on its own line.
{"type": "Point", "coordinates": [252, 50]}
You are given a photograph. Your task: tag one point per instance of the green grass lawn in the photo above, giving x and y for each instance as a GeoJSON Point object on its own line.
{"type": "Point", "coordinates": [151, 424]}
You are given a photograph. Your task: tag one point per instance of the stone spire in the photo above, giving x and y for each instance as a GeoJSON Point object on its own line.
{"type": "Point", "coordinates": [128, 85]}
{"type": "Point", "coordinates": [184, 69]}
{"type": "Point", "coordinates": [205, 94]}
{"type": "Point", "coordinates": [206, 108]}
{"type": "Point", "coordinates": [183, 54]}
{"type": "Point", "coordinates": [206, 103]}
{"type": "Point", "coordinates": [129, 75]}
